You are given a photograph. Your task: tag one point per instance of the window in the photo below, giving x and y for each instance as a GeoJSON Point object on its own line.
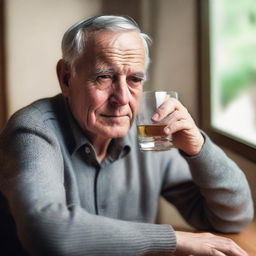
{"type": "Point", "coordinates": [228, 73]}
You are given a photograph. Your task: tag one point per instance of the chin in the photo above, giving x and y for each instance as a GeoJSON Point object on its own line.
{"type": "Point", "coordinates": [117, 132]}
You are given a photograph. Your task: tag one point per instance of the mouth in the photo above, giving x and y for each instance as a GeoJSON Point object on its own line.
{"type": "Point", "coordinates": [114, 116]}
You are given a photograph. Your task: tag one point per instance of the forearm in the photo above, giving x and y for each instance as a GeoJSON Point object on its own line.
{"type": "Point", "coordinates": [58, 231]}
{"type": "Point", "coordinates": [226, 197]}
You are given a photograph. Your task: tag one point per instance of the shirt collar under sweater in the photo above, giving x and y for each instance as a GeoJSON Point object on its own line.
{"type": "Point", "coordinates": [117, 149]}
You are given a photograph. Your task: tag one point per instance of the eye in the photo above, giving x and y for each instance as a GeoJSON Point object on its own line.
{"type": "Point", "coordinates": [135, 80]}
{"type": "Point", "coordinates": [104, 78]}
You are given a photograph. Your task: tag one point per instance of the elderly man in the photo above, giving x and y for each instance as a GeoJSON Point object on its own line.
{"type": "Point", "coordinates": [74, 181]}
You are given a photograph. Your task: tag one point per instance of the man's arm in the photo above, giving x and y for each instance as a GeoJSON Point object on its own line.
{"type": "Point", "coordinates": [218, 197]}
{"type": "Point", "coordinates": [32, 180]}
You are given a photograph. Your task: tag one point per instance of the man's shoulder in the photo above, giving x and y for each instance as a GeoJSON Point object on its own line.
{"type": "Point", "coordinates": [35, 114]}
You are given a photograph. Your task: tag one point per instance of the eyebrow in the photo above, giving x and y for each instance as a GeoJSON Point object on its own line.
{"type": "Point", "coordinates": [112, 70]}
{"type": "Point", "coordinates": [104, 70]}
{"type": "Point", "coordinates": [139, 74]}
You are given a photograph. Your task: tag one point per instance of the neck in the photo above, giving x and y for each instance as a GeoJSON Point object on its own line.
{"type": "Point", "coordinates": [101, 146]}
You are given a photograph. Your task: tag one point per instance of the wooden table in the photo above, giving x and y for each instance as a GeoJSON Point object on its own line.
{"type": "Point", "coordinates": [246, 239]}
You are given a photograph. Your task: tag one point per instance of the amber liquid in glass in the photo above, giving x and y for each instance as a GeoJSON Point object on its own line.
{"type": "Point", "coordinates": [152, 138]}
{"type": "Point", "coordinates": [151, 130]}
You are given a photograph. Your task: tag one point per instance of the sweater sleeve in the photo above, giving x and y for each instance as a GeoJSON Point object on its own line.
{"type": "Point", "coordinates": [33, 184]}
{"type": "Point", "coordinates": [215, 195]}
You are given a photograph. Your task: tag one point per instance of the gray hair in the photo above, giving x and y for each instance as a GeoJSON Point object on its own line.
{"type": "Point", "coordinates": [74, 39]}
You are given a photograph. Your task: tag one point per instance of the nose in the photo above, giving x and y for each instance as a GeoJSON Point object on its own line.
{"type": "Point", "coordinates": [121, 94]}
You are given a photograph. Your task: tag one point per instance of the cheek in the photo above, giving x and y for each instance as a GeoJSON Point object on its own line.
{"type": "Point", "coordinates": [96, 101]}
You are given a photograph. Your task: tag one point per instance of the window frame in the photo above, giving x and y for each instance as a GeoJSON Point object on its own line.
{"type": "Point", "coordinates": [220, 137]}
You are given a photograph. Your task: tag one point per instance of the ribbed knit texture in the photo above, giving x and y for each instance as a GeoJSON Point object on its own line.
{"type": "Point", "coordinates": [65, 203]}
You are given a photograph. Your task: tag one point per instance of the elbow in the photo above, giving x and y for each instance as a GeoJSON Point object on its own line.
{"type": "Point", "coordinates": [45, 235]}
{"type": "Point", "coordinates": [41, 243]}
{"type": "Point", "coordinates": [235, 224]}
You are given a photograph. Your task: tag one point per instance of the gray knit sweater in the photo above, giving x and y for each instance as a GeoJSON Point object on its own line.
{"type": "Point", "coordinates": [59, 201]}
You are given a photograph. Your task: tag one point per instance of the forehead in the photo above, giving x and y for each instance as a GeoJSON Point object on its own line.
{"type": "Point", "coordinates": [120, 48]}
{"type": "Point", "coordinates": [122, 40]}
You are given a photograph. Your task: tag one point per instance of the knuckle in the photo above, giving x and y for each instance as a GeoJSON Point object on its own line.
{"type": "Point", "coordinates": [228, 240]}
{"type": "Point", "coordinates": [175, 114]}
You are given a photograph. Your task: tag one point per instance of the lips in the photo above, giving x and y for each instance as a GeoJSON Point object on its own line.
{"type": "Point", "coordinates": [114, 116]}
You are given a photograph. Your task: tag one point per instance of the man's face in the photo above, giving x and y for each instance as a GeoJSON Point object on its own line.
{"type": "Point", "coordinates": [105, 90]}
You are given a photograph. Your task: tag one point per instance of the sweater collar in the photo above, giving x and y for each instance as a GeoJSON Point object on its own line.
{"type": "Point", "coordinates": [118, 147]}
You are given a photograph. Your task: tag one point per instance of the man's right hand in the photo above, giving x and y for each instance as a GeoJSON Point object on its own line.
{"type": "Point", "coordinates": [206, 244]}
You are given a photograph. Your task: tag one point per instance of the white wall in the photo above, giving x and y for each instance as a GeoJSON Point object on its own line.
{"type": "Point", "coordinates": [34, 31]}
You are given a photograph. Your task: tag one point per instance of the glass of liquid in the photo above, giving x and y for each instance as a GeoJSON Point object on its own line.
{"type": "Point", "coordinates": [151, 134]}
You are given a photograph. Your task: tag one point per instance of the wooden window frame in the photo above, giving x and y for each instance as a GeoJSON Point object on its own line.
{"type": "Point", "coordinates": [220, 137]}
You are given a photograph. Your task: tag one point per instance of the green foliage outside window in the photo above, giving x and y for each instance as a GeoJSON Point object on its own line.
{"type": "Point", "coordinates": [236, 35]}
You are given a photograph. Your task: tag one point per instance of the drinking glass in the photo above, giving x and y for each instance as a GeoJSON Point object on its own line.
{"type": "Point", "coordinates": [151, 134]}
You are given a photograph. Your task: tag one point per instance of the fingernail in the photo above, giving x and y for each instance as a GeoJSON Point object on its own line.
{"type": "Point", "coordinates": [155, 116]}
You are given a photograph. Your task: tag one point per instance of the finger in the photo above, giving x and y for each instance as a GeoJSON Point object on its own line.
{"type": "Point", "coordinates": [179, 125]}
{"type": "Point", "coordinates": [177, 115]}
{"type": "Point", "coordinates": [217, 253]}
{"type": "Point", "coordinates": [226, 246]}
{"type": "Point", "coordinates": [165, 109]}
{"type": "Point", "coordinates": [231, 248]}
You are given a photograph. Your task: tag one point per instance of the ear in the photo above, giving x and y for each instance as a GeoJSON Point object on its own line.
{"type": "Point", "coordinates": [64, 73]}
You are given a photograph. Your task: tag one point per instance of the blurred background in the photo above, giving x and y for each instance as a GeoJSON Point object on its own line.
{"type": "Point", "coordinates": [32, 32]}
